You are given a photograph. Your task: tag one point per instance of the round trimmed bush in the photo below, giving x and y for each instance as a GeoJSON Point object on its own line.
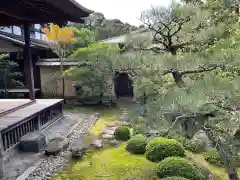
{"type": "Point", "coordinates": [137, 144]}
{"type": "Point", "coordinates": [174, 178]}
{"type": "Point", "coordinates": [176, 166]}
{"type": "Point", "coordinates": [122, 133]}
{"type": "Point", "coordinates": [213, 157]}
{"type": "Point", "coordinates": [159, 148]}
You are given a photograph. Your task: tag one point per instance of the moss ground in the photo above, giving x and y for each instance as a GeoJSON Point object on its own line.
{"type": "Point", "coordinates": [117, 163]}
{"type": "Point", "coordinates": [111, 164]}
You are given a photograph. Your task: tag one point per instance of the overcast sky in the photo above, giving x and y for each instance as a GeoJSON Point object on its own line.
{"type": "Point", "coordinates": [125, 10]}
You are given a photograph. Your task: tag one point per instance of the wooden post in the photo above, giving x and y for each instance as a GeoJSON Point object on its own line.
{"type": "Point", "coordinates": [1, 157]}
{"type": "Point", "coordinates": [28, 62]}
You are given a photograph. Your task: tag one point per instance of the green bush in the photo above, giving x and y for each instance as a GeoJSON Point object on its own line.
{"type": "Point", "coordinates": [213, 157]}
{"type": "Point", "coordinates": [174, 178]}
{"type": "Point", "coordinates": [122, 133]}
{"type": "Point", "coordinates": [137, 144]}
{"type": "Point", "coordinates": [195, 146]}
{"type": "Point", "coordinates": [176, 166]}
{"type": "Point", "coordinates": [139, 129]}
{"type": "Point", "coordinates": [159, 148]}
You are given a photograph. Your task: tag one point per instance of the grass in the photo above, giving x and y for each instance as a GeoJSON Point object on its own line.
{"type": "Point", "coordinates": [111, 164]}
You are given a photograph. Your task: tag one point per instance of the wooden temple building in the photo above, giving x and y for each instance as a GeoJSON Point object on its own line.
{"type": "Point", "coordinates": [21, 116]}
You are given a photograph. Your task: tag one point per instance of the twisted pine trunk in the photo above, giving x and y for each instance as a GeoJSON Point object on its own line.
{"type": "Point", "coordinates": [226, 155]}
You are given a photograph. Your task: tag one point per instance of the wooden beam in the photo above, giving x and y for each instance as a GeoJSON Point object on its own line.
{"type": "Point", "coordinates": [28, 62]}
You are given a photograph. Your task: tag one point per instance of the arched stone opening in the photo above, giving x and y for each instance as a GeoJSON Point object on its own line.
{"type": "Point", "coordinates": [123, 85]}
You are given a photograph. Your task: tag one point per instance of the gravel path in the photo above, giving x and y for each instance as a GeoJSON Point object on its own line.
{"type": "Point", "coordinates": [53, 164]}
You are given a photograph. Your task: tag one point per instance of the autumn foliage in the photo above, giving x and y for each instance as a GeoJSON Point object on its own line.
{"type": "Point", "coordinates": [59, 35]}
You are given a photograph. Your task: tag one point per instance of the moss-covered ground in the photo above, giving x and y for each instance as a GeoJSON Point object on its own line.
{"type": "Point", "coordinates": [111, 164]}
{"type": "Point", "coordinates": [117, 163]}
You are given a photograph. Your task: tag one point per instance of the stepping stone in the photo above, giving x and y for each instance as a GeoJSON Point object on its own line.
{"type": "Point", "coordinates": [97, 143]}
{"type": "Point", "coordinates": [109, 131]}
{"type": "Point", "coordinates": [113, 143]}
{"type": "Point", "coordinates": [112, 125]}
{"type": "Point", "coordinates": [124, 123]}
{"type": "Point", "coordinates": [107, 136]}
{"type": "Point", "coordinates": [55, 146]}
{"type": "Point", "coordinates": [32, 142]}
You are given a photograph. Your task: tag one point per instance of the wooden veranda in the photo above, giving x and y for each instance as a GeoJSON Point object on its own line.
{"type": "Point", "coordinates": [19, 117]}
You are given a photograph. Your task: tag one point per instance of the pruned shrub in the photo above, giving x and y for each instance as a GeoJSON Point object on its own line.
{"type": "Point", "coordinates": [174, 178]}
{"type": "Point", "coordinates": [159, 148]}
{"type": "Point", "coordinates": [137, 144]}
{"type": "Point", "coordinates": [122, 133]}
{"type": "Point", "coordinates": [213, 157]}
{"type": "Point", "coordinates": [195, 146]}
{"type": "Point", "coordinates": [139, 129]}
{"type": "Point", "coordinates": [176, 166]}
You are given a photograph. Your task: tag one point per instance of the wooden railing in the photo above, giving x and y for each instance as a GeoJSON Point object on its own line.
{"type": "Point", "coordinates": [11, 136]}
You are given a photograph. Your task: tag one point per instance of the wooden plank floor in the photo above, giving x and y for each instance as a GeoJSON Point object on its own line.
{"type": "Point", "coordinates": [25, 112]}
{"type": "Point", "coordinates": [7, 104]}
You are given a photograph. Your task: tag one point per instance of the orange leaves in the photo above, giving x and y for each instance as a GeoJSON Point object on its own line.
{"type": "Point", "coordinates": [59, 35]}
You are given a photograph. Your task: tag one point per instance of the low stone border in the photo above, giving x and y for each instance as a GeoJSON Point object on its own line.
{"type": "Point", "coordinates": [47, 167]}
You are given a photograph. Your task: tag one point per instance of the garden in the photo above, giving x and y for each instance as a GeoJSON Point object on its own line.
{"type": "Point", "coordinates": [140, 156]}
{"type": "Point", "coordinates": [184, 122]}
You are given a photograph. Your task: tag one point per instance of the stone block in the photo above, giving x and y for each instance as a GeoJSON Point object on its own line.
{"type": "Point", "coordinates": [56, 145]}
{"type": "Point", "coordinates": [97, 143]}
{"type": "Point", "coordinates": [32, 142]}
{"type": "Point", "coordinates": [78, 149]}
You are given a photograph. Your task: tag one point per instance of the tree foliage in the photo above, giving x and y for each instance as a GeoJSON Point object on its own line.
{"type": "Point", "coordinates": [8, 76]}
{"type": "Point", "coordinates": [190, 70]}
{"type": "Point", "coordinates": [95, 70]}
{"type": "Point", "coordinates": [107, 28]}
{"type": "Point", "coordinates": [61, 41]}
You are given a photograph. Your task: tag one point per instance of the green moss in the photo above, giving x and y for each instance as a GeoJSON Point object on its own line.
{"type": "Point", "coordinates": [112, 163]}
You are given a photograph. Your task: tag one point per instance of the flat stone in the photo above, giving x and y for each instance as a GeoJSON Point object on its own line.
{"type": "Point", "coordinates": [32, 142]}
{"type": "Point", "coordinates": [97, 143]}
{"type": "Point", "coordinates": [111, 125]}
{"type": "Point", "coordinates": [107, 136]}
{"type": "Point", "coordinates": [113, 143]}
{"type": "Point", "coordinates": [124, 123]}
{"type": "Point", "coordinates": [109, 131]}
{"type": "Point", "coordinates": [55, 146]}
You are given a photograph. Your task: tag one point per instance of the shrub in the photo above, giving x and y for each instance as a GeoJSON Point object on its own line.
{"type": "Point", "coordinates": [176, 166]}
{"type": "Point", "coordinates": [139, 129]}
{"type": "Point", "coordinates": [159, 148]}
{"type": "Point", "coordinates": [122, 133]}
{"type": "Point", "coordinates": [213, 157]}
{"type": "Point", "coordinates": [195, 146]}
{"type": "Point", "coordinates": [174, 178]}
{"type": "Point", "coordinates": [137, 144]}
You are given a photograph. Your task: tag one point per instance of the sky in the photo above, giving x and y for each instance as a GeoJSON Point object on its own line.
{"type": "Point", "coordinates": [125, 10]}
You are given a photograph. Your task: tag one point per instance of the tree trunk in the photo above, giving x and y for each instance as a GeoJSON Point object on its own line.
{"type": "Point", "coordinates": [178, 78]}
{"type": "Point", "coordinates": [63, 89]}
{"type": "Point", "coordinates": [226, 155]}
{"type": "Point", "coordinates": [1, 160]}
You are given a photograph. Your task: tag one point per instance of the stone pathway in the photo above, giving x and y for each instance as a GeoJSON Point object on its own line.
{"type": "Point", "coordinates": [54, 164]}
{"type": "Point", "coordinates": [17, 162]}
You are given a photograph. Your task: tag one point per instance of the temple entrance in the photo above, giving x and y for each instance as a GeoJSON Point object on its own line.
{"type": "Point", "coordinates": [123, 85]}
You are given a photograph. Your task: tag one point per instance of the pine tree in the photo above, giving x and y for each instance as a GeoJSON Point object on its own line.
{"type": "Point", "coordinates": [8, 75]}
{"type": "Point", "coordinates": [192, 73]}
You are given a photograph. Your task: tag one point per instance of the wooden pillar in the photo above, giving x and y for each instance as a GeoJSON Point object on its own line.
{"type": "Point", "coordinates": [28, 62]}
